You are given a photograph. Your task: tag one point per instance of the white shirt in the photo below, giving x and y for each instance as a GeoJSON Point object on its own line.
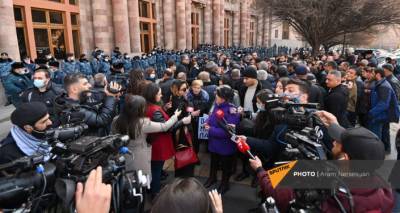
{"type": "Point", "coordinates": [248, 98]}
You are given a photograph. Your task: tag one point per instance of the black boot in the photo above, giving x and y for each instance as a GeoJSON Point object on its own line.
{"type": "Point", "coordinates": [212, 179]}
{"type": "Point", "coordinates": [227, 162]}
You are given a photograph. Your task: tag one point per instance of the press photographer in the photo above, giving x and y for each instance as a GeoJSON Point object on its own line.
{"type": "Point", "coordinates": [296, 92]}
{"type": "Point", "coordinates": [351, 144]}
{"type": "Point", "coordinates": [76, 103]}
{"type": "Point", "coordinates": [27, 135]}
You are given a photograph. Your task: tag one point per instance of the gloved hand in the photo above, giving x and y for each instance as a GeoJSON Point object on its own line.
{"type": "Point", "coordinates": [177, 112]}
{"type": "Point", "coordinates": [187, 119]}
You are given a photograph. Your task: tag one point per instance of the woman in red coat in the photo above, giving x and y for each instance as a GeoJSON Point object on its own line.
{"type": "Point", "coordinates": [162, 143]}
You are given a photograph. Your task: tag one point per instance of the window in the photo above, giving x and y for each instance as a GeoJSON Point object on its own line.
{"type": "Point", "coordinates": [285, 30]}
{"type": "Point", "coordinates": [276, 33]}
{"type": "Point", "coordinates": [49, 32]}
{"type": "Point", "coordinates": [195, 29]}
{"type": "Point", "coordinates": [39, 16]}
{"type": "Point", "coordinates": [148, 25]}
{"type": "Point", "coordinates": [227, 32]}
{"type": "Point", "coordinates": [253, 21]}
{"type": "Point", "coordinates": [74, 19]}
{"type": "Point", "coordinates": [56, 18]}
{"type": "Point", "coordinates": [74, 2]}
{"type": "Point", "coordinates": [41, 41]}
{"type": "Point", "coordinates": [75, 39]}
{"type": "Point", "coordinates": [18, 14]}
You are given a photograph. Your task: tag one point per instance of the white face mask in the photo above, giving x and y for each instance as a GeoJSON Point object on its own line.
{"type": "Point", "coordinates": [260, 107]}
{"type": "Point", "coordinates": [152, 75]}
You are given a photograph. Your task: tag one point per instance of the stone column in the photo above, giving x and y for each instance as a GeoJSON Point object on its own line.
{"type": "Point", "coordinates": [222, 26]}
{"type": "Point", "coordinates": [121, 25]}
{"type": "Point", "coordinates": [86, 27]}
{"type": "Point", "coordinates": [236, 28]}
{"type": "Point", "coordinates": [180, 24]}
{"type": "Point", "coordinates": [102, 25]}
{"type": "Point", "coordinates": [265, 28]}
{"type": "Point", "coordinates": [244, 24]}
{"type": "Point", "coordinates": [259, 30]}
{"type": "Point", "coordinates": [188, 9]}
{"type": "Point", "coordinates": [216, 13]}
{"type": "Point", "coordinates": [208, 22]}
{"type": "Point", "coordinates": [160, 24]}
{"type": "Point", "coordinates": [169, 21]}
{"type": "Point", "coordinates": [8, 34]}
{"type": "Point", "coordinates": [134, 26]}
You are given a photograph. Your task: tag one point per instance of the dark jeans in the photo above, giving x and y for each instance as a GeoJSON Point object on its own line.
{"type": "Point", "coordinates": [386, 136]}
{"type": "Point", "coordinates": [156, 169]}
{"type": "Point", "coordinates": [226, 165]}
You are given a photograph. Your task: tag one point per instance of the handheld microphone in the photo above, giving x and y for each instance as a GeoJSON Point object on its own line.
{"type": "Point", "coordinates": [243, 147]}
{"type": "Point", "coordinates": [241, 144]}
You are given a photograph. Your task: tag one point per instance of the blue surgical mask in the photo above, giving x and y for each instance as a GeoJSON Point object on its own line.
{"type": "Point", "coordinates": [39, 83]}
{"type": "Point", "coordinates": [292, 97]}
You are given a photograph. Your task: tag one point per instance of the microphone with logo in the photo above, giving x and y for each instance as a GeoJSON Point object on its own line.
{"type": "Point", "coordinates": [241, 144]}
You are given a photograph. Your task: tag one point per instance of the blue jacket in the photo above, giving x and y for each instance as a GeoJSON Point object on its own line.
{"type": "Point", "coordinates": [14, 85]}
{"type": "Point", "coordinates": [70, 67]}
{"type": "Point", "coordinates": [127, 64]}
{"type": "Point", "coordinates": [218, 139]}
{"type": "Point", "coordinates": [105, 67]}
{"type": "Point", "coordinates": [5, 67]}
{"type": "Point", "coordinates": [85, 67]}
{"type": "Point", "coordinates": [95, 64]}
{"type": "Point", "coordinates": [58, 77]}
{"type": "Point", "coordinates": [384, 106]}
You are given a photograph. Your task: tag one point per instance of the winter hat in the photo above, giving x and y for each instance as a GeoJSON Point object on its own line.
{"type": "Point", "coordinates": [388, 67]}
{"type": "Point", "coordinates": [17, 65]}
{"type": "Point", "coordinates": [359, 143]}
{"type": "Point", "coordinates": [28, 114]}
{"type": "Point", "coordinates": [301, 70]}
{"type": "Point", "coordinates": [250, 72]}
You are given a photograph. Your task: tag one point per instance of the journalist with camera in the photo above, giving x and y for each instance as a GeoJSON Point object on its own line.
{"type": "Point", "coordinates": [285, 114]}
{"type": "Point", "coordinates": [27, 136]}
{"type": "Point", "coordinates": [75, 104]}
{"type": "Point", "coordinates": [351, 144]}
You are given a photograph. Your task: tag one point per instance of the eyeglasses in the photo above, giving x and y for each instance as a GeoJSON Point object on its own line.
{"type": "Point", "coordinates": [183, 89]}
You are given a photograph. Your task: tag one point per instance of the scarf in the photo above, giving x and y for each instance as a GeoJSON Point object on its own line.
{"type": "Point", "coordinates": [30, 145]}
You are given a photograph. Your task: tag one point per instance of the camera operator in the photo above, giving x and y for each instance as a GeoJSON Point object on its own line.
{"type": "Point", "coordinates": [295, 91]}
{"type": "Point", "coordinates": [75, 101]}
{"type": "Point", "coordinates": [27, 135]}
{"type": "Point", "coordinates": [351, 144]}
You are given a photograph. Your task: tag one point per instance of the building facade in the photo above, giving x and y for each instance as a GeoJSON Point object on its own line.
{"type": "Point", "coordinates": [36, 27]}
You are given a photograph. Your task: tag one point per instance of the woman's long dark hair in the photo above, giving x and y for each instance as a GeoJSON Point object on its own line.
{"type": "Point", "coordinates": [136, 82]}
{"type": "Point", "coordinates": [150, 91]}
{"type": "Point", "coordinates": [263, 124]}
{"type": "Point", "coordinates": [130, 121]}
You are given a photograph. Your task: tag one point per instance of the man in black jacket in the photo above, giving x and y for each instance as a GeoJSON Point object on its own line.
{"type": "Point", "coordinates": [394, 82]}
{"type": "Point", "coordinates": [337, 99]}
{"type": "Point", "coordinates": [75, 104]}
{"type": "Point", "coordinates": [314, 92]}
{"type": "Point", "coordinates": [44, 91]}
{"type": "Point", "coordinates": [27, 135]}
{"type": "Point", "coordinates": [165, 85]}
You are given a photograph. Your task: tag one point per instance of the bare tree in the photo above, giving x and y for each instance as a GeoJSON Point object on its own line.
{"type": "Point", "coordinates": [324, 21]}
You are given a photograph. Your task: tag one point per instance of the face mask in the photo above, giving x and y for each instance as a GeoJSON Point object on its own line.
{"type": "Point", "coordinates": [39, 134]}
{"type": "Point", "coordinates": [152, 75]}
{"type": "Point", "coordinates": [71, 59]}
{"type": "Point", "coordinates": [39, 83]}
{"type": "Point", "coordinates": [260, 107]}
{"type": "Point", "coordinates": [292, 97]}
{"type": "Point", "coordinates": [106, 60]}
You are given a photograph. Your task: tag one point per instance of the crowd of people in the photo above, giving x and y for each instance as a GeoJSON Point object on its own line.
{"type": "Point", "coordinates": [159, 99]}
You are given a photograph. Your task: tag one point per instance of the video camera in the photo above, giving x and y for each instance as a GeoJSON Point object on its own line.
{"type": "Point", "coordinates": [303, 137]}
{"type": "Point", "coordinates": [32, 187]}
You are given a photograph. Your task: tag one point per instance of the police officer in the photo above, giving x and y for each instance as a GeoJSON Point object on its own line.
{"type": "Point", "coordinates": [17, 82]}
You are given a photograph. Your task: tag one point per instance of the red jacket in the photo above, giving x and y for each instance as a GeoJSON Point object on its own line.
{"type": "Point", "coordinates": [162, 144]}
{"type": "Point", "coordinates": [379, 200]}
